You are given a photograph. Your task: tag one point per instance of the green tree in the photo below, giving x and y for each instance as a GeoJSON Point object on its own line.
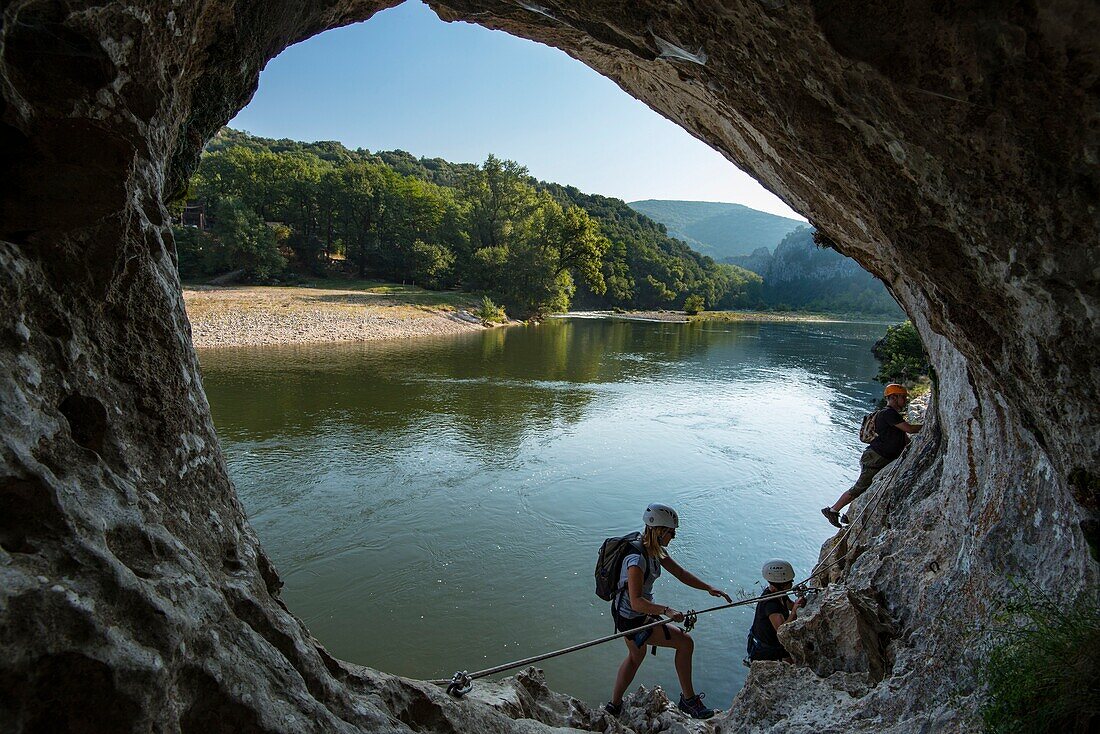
{"type": "Point", "coordinates": [297, 195]}
{"type": "Point", "coordinates": [415, 213]}
{"type": "Point", "coordinates": [902, 354]}
{"type": "Point", "coordinates": [499, 201]}
{"type": "Point", "coordinates": [192, 251]}
{"type": "Point", "coordinates": [490, 312]}
{"type": "Point", "coordinates": [526, 247]}
{"type": "Point", "coordinates": [247, 242]}
{"type": "Point", "coordinates": [364, 198]}
{"type": "Point", "coordinates": [693, 304]}
{"type": "Point", "coordinates": [430, 265]}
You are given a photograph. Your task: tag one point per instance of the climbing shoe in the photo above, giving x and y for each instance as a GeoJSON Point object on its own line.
{"type": "Point", "coordinates": [613, 709]}
{"type": "Point", "coordinates": [844, 519]}
{"type": "Point", "coordinates": [694, 707]}
{"type": "Point", "coordinates": [831, 515]}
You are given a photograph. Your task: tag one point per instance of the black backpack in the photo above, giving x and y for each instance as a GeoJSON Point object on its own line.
{"type": "Point", "coordinates": [609, 563]}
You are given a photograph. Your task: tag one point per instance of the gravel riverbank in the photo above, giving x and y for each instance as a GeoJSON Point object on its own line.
{"type": "Point", "coordinates": [263, 315]}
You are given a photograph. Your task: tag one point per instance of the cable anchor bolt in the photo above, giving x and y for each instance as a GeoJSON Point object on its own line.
{"type": "Point", "coordinates": [460, 684]}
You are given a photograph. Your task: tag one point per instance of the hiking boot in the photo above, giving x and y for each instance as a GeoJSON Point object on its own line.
{"type": "Point", "coordinates": [831, 515]}
{"type": "Point", "coordinates": [614, 710]}
{"type": "Point", "coordinates": [694, 707]}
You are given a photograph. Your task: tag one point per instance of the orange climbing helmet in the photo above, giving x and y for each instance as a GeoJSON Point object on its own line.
{"type": "Point", "coordinates": [895, 389]}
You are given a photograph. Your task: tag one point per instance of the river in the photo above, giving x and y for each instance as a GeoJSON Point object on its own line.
{"type": "Point", "coordinates": [436, 504]}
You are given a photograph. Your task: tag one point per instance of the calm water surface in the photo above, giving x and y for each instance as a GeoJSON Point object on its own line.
{"type": "Point", "coordinates": [436, 504]}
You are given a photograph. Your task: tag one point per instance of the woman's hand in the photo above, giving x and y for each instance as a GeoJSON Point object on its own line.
{"type": "Point", "coordinates": [674, 615]}
{"type": "Point", "coordinates": [718, 592]}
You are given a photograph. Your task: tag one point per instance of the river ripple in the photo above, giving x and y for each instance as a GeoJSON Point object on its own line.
{"type": "Point", "coordinates": [436, 504]}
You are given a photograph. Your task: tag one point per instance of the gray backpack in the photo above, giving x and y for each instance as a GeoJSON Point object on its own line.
{"type": "Point", "coordinates": [609, 564]}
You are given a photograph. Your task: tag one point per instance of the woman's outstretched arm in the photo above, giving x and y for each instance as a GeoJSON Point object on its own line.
{"type": "Point", "coordinates": [690, 579]}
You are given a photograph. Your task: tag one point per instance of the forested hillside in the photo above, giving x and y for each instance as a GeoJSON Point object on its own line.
{"type": "Point", "coordinates": [802, 276]}
{"type": "Point", "coordinates": [278, 206]}
{"type": "Point", "coordinates": [718, 229]}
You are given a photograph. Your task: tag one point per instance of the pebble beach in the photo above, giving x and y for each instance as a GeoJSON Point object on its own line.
{"type": "Point", "coordinates": [264, 315]}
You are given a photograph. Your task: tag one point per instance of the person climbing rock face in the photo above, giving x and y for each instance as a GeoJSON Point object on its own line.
{"type": "Point", "coordinates": [771, 614]}
{"type": "Point", "coordinates": [892, 436]}
{"type": "Point", "coordinates": [633, 606]}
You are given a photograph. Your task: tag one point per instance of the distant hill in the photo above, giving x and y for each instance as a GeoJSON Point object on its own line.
{"type": "Point", "coordinates": [800, 276]}
{"type": "Point", "coordinates": [718, 229]}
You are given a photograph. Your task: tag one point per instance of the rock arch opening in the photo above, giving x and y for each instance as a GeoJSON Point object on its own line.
{"type": "Point", "coordinates": [951, 151]}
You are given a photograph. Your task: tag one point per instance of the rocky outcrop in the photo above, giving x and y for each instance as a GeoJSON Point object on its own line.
{"type": "Point", "coordinates": [950, 149]}
{"type": "Point", "coordinates": [849, 631]}
{"type": "Point", "coordinates": [799, 274]}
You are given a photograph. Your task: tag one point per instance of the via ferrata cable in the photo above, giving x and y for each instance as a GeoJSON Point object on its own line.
{"type": "Point", "coordinates": [462, 681]}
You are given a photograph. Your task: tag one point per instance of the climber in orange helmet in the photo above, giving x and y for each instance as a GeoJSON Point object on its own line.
{"type": "Point", "coordinates": [891, 437]}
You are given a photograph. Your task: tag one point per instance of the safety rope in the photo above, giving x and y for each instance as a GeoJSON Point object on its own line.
{"type": "Point", "coordinates": [462, 681]}
{"type": "Point", "coordinates": [873, 502]}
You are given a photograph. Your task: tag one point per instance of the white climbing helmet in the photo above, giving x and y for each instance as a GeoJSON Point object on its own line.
{"type": "Point", "coordinates": [778, 572]}
{"type": "Point", "coordinates": [660, 516]}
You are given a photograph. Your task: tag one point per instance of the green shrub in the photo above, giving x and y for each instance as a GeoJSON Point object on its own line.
{"type": "Point", "coordinates": [489, 312]}
{"type": "Point", "coordinates": [1042, 674]}
{"type": "Point", "coordinates": [902, 354]}
{"type": "Point", "coordinates": [693, 304]}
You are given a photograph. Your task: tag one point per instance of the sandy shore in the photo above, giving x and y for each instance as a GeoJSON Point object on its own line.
{"type": "Point", "coordinates": [255, 315]}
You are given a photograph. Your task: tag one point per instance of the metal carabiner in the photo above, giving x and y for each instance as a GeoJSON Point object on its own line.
{"type": "Point", "coordinates": [460, 684]}
{"type": "Point", "coordinates": [806, 592]}
{"type": "Point", "coordinates": [690, 618]}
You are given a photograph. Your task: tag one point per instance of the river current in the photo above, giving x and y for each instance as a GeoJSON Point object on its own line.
{"type": "Point", "coordinates": [436, 504]}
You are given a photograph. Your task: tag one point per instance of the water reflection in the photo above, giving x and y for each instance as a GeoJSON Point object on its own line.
{"type": "Point", "coordinates": [449, 494]}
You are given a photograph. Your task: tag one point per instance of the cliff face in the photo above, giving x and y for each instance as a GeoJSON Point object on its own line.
{"type": "Point", "coordinates": [801, 275]}
{"type": "Point", "coordinates": [951, 150]}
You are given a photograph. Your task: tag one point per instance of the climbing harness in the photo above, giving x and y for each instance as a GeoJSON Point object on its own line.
{"type": "Point", "coordinates": [462, 681]}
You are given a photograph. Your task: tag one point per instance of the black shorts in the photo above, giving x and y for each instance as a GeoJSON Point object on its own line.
{"type": "Point", "coordinates": [625, 624]}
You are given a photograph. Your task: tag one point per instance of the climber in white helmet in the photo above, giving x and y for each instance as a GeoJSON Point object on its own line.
{"type": "Point", "coordinates": [633, 606]}
{"type": "Point", "coordinates": [771, 614]}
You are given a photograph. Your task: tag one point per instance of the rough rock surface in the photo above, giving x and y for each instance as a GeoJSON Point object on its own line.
{"type": "Point", "coordinates": [847, 631]}
{"type": "Point", "coordinates": [951, 149]}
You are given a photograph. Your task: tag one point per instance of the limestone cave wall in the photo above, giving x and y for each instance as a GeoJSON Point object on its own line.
{"type": "Point", "coordinates": [952, 149]}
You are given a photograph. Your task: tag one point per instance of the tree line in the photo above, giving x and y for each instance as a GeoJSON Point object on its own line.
{"type": "Point", "coordinates": [280, 207]}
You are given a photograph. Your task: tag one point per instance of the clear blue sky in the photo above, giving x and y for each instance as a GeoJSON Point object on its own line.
{"type": "Point", "coordinates": [406, 80]}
